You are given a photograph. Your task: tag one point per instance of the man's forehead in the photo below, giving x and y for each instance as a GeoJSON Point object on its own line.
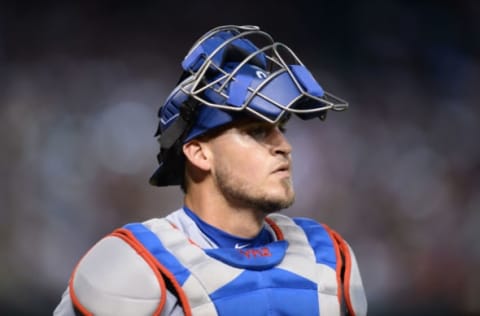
{"type": "Point", "coordinates": [243, 121]}
{"type": "Point", "coordinates": [252, 121]}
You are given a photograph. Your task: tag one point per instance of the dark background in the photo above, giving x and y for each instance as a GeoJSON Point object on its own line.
{"type": "Point", "coordinates": [398, 174]}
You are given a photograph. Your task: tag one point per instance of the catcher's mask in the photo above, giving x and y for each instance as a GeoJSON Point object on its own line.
{"type": "Point", "coordinates": [234, 71]}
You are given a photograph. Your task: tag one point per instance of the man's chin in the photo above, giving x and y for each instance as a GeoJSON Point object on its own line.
{"type": "Point", "coordinates": [274, 205]}
{"type": "Point", "coordinates": [284, 196]}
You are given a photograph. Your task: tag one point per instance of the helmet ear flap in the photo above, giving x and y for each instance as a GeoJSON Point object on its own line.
{"type": "Point", "coordinates": [176, 116]}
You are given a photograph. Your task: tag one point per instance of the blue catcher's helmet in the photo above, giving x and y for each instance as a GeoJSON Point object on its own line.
{"type": "Point", "coordinates": [229, 72]}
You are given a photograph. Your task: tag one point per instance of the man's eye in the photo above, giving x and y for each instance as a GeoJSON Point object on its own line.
{"type": "Point", "coordinates": [259, 132]}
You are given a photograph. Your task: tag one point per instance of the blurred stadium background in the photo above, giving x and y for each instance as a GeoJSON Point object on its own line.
{"type": "Point", "coordinates": [398, 174]}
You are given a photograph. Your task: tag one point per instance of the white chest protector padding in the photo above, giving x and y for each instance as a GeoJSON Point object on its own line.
{"type": "Point", "coordinates": [105, 287]}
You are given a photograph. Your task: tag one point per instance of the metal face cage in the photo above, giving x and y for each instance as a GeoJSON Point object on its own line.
{"type": "Point", "coordinates": [238, 68]}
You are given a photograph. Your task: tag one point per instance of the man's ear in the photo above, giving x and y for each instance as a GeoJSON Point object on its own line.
{"type": "Point", "coordinates": [197, 154]}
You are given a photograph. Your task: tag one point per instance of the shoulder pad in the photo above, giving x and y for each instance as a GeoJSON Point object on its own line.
{"type": "Point", "coordinates": [354, 291]}
{"type": "Point", "coordinates": [113, 279]}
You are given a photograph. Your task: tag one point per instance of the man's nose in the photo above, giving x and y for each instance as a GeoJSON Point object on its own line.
{"type": "Point", "coordinates": [280, 144]}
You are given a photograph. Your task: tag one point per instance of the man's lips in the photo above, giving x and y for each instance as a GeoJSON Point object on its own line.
{"type": "Point", "coordinates": [283, 168]}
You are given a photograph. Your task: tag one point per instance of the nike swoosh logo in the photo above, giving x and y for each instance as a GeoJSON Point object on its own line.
{"type": "Point", "coordinates": [240, 246]}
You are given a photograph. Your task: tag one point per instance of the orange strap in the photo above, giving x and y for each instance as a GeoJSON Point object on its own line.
{"type": "Point", "coordinates": [344, 268]}
{"type": "Point", "coordinates": [276, 229]}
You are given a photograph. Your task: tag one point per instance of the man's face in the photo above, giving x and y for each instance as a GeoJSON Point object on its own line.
{"type": "Point", "coordinates": [252, 166]}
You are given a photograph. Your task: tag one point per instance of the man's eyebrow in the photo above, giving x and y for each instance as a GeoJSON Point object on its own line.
{"type": "Point", "coordinates": [282, 127]}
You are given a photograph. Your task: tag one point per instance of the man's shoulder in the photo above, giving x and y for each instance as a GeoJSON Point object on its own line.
{"type": "Point", "coordinates": [316, 232]}
{"type": "Point", "coordinates": [303, 222]}
{"type": "Point", "coordinates": [113, 275]}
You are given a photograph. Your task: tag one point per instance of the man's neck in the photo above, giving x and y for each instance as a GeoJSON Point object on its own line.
{"type": "Point", "coordinates": [213, 209]}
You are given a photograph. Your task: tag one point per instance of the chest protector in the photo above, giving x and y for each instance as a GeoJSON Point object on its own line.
{"type": "Point", "coordinates": [301, 273]}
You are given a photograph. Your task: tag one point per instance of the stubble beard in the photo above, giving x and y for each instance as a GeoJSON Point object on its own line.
{"type": "Point", "coordinates": [243, 194]}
